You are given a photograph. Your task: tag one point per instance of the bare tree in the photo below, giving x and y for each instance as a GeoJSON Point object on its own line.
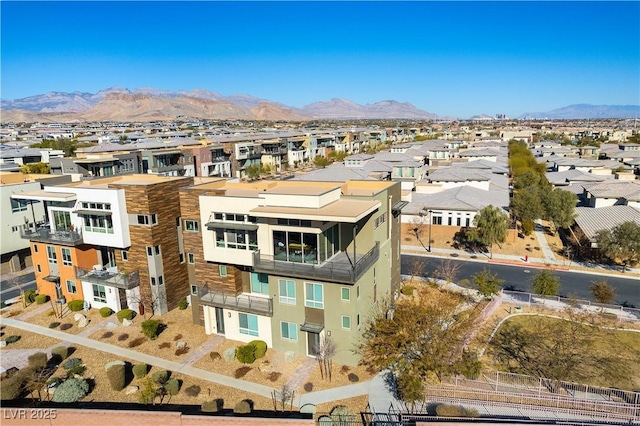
{"type": "Point", "coordinates": [282, 397]}
{"type": "Point", "coordinates": [325, 351]}
{"type": "Point", "coordinates": [448, 270]}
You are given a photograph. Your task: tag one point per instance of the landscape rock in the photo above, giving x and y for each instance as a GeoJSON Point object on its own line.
{"type": "Point", "coordinates": [289, 357]}
{"type": "Point", "coordinates": [78, 317]}
{"type": "Point", "coordinates": [265, 367]}
{"type": "Point", "coordinates": [127, 323]}
{"type": "Point", "coordinates": [3, 344]}
{"type": "Point", "coordinates": [130, 390]}
{"type": "Point", "coordinates": [111, 325]}
{"type": "Point", "coordinates": [83, 322]}
{"type": "Point", "coordinates": [181, 344]}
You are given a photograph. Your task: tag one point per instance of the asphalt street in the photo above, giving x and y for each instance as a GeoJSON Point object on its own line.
{"type": "Point", "coordinates": [574, 284]}
{"type": "Point", "coordinates": [8, 290]}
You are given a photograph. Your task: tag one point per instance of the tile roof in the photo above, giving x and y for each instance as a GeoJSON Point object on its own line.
{"type": "Point", "coordinates": [463, 198]}
{"type": "Point", "coordinates": [591, 220]}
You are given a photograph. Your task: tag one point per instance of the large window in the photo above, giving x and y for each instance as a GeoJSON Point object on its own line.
{"type": "Point", "coordinates": [237, 239]}
{"type": "Point", "coordinates": [345, 293]}
{"type": "Point", "coordinates": [147, 219]}
{"type": "Point", "coordinates": [191, 225]}
{"type": "Point", "coordinates": [287, 292]}
{"type": "Point", "coordinates": [51, 254]}
{"type": "Point", "coordinates": [99, 294]}
{"type": "Point", "coordinates": [71, 287]}
{"type": "Point", "coordinates": [18, 205]}
{"type": "Point", "coordinates": [289, 330]}
{"type": "Point", "coordinates": [300, 247]}
{"type": "Point", "coordinates": [102, 224]}
{"type": "Point", "coordinates": [248, 324]}
{"type": "Point", "coordinates": [259, 283]}
{"type": "Point", "coordinates": [314, 297]}
{"type": "Point", "coordinates": [62, 219]}
{"type": "Point", "coordinates": [66, 257]}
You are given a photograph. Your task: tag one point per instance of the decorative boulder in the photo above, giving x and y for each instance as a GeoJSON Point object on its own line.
{"type": "Point", "coordinates": [127, 323]}
{"type": "Point", "coordinates": [130, 390]}
{"type": "Point", "coordinates": [265, 367]}
{"type": "Point", "coordinates": [181, 344]}
{"type": "Point", "coordinates": [289, 357]}
{"type": "Point", "coordinates": [83, 322]}
{"type": "Point", "coordinates": [111, 325]}
{"type": "Point", "coordinates": [78, 317]}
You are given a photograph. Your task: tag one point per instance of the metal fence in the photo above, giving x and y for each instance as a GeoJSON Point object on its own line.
{"type": "Point", "coordinates": [529, 299]}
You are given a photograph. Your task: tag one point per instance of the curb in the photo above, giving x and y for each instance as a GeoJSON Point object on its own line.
{"type": "Point", "coordinates": [529, 265]}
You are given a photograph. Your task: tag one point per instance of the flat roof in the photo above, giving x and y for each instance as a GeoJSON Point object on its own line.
{"type": "Point", "coordinates": [44, 196]}
{"type": "Point", "coordinates": [343, 210]}
{"type": "Point", "coordinates": [133, 179]}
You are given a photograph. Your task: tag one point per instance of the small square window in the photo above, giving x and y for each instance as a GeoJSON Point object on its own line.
{"type": "Point", "coordinates": [223, 270]}
{"type": "Point", "coordinates": [35, 248]}
{"type": "Point", "coordinates": [149, 251]}
{"type": "Point", "coordinates": [38, 268]}
{"type": "Point", "coordinates": [194, 290]}
{"type": "Point", "coordinates": [125, 255]}
{"type": "Point", "coordinates": [346, 321]}
{"type": "Point", "coordinates": [153, 280]}
{"type": "Point", "coordinates": [181, 256]}
{"type": "Point", "coordinates": [345, 293]}
{"type": "Point", "coordinates": [191, 258]}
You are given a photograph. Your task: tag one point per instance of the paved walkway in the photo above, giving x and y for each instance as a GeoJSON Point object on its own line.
{"type": "Point", "coordinates": [202, 350]}
{"type": "Point", "coordinates": [302, 373]}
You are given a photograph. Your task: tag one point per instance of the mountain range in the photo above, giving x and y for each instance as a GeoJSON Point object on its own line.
{"type": "Point", "coordinates": [149, 104]}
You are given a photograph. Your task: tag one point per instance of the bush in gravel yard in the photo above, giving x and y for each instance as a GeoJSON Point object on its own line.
{"type": "Point", "coordinates": [59, 354]}
{"type": "Point", "coordinates": [341, 414]}
{"type": "Point", "coordinates": [38, 360]}
{"type": "Point", "coordinates": [41, 299]}
{"type": "Point", "coordinates": [150, 328]}
{"type": "Point", "coordinates": [212, 406]}
{"type": "Point", "coordinates": [160, 377]}
{"type": "Point", "coordinates": [193, 390]}
{"type": "Point", "coordinates": [66, 326]}
{"type": "Point", "coordinates": [12, 387]}
{"type": "Point", "coordinates": [105, 312]}
{"type": "Point", "coordinates": [407, 290]}
{"type": "Point", "coordinates": [246, 354]}
{"type": "Point", "coordinates": [125, 313]}
{"type": "Point", "coordinates": [260, 348]}
{"type": "Point", "coordinates": [117, 376]}
{"type": "Point", "coordinates": [71, 362]}
{"type": "Point", "coordinates": [214, 356]}
{"type": "Point", "coordinates": [54, 324]}
{"type": "Point", "coordinates": [12, 339]}
{"type": "Point", "coordinates": [243, 407]}
{"type": "Point", "coordinates": [75, 305]}
{"type": "Point", "coordinates": [71, 390]}
{"type": "Point", "coordinates": [29, 296]}
{"type": "Point", "coordinates": [229, 354]}
{"type": "Point", "coordinates": [172, 386]}
{"type": "Point", "coordinates": [183, 304]}
{"type": "Point", "coordinates": [140, 370]}
{"type": "Point", "coordinates": [241, 372]}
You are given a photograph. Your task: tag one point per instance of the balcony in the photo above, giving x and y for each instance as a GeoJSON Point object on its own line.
{"type": "Point", "coordinates": [46, 235]}
{"type": "Point", "coordinates": [109, 277]}
{"type": "Point", "coordinates": [167, 168]}
{"type": "Point", "coordinates": [243, 302]}
{"type": "Point", "coordinates": [338, 269]}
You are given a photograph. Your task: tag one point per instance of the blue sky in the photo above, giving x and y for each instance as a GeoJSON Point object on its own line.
{"type": "Point", "coordinates": [450, 58]}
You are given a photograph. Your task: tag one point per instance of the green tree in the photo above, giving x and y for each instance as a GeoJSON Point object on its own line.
{"type": "Point", "coordinates": [253, 171]}
{"type": "Point", "coordinates": [621, 242]}
{"type": "Point", "coordinates": [410, 389]}
{"type": "Point", "coordinates": [560, 207]}
{"type": "Point", "coordinates": [490, 227]}
{"type": "Point", "coordinates": [421, 335]}
{"type": "Point", "coordinates": [546, 283]}
{"type": "Point", "coordinates": [35, 168]}
{"type": "Point", "coordinates": [320, 161]}
{"type": "Point", "coordinates": [602, 291]}
{"type": "Point", "coordinates": [526, 205]}
{"type": "Point", "coordinates": [487, 283]}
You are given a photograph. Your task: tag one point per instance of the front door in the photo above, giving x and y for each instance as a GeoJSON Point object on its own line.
{"type": "Point", "coordinates": [313, 341]}
{"type": "Point", "coordinates": [58, 291]}
{"type": "Point", "coordinates": [220, 320]}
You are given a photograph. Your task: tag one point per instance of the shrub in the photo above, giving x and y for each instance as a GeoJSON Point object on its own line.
{"type": "Point", "coordinates": [41, 299]}
{"type": "Point", "coordinates": [66, 326]}
{"type": "Point", "coordinates": [246, 354]}
{"type": "Point", "coordinates": [105, 312]}
{"type": "Point", "coordinates": [341, 414]}
{"type": "Point", "coordinates": [241, 372]}
{"type": "Point", "coordinates": [125, 313]}
{"type": "Point", "coordinates": [12, 339]}
{"type": "Point", "coordinates": [260, 348]}
{"type": "Point", "coordinates": [345, 369]}
{"type": "Point", "coordinates": [150, 328]}
{"type": "Point", "coordinates": [407, 290]}
{"type": "Point", "coordinates": [243, 407]}
{"type": "Point", "coordinates": [172, 386]}
{"type": "Point", "coordinates": [38, 360]}
{"type": "Point", "coordinates": [54, 324]}
{"type": "Point", "coordinates": [164, 345]}
{"type": "Point", "coordinates": [71, 390]}
{"type": "Point", "coordinates": [77, 370]}
{"type": "Point", "coordinates": [447, 410]}
{"type": "Point", "coordinates": [71, 362]}
{"type": "Point", "coordinates": [160, 377]}
{"type": "Point", "coordinates": [215, 356]}
{"type": "Point", "coordinates": [193, 390]}
{"type": "Point", "coordinates": [123, 337]}
{"type": "Point", "coordinates": [308, 387]}
{"type": "Point", "coordinates": [177, 337]}
{"type": "Point", "coordinates": [59, 353]}
{"type": "Point", "coordinates": [182, 351]}
{"type": "Point", "coordinates": [147, 391]}
{"type": "Point", "coordinates": [229, 354]}
{"type": "Point", "coordinates": [107, 334]}
{"type": "Point", "coordinates": [75, 305]}
{"type": "Point", "coordinates": [29, 296]}
{"type": "Point", "coordinates": [136, 342]}
{"type": "Point", "coordinates": [212, 406]}
{"type": "Point", "coordinates": [116, 376]}
{"type": "Point", "coordinates": [183, 304]}
{"type": "Point", "coordinates": [274, 376]}
{"type": "Point", "coordinates": [12, 387]}
{"type": "Point", "coordinates": [140, 370]}
{"type": "Point", "coordinates": [353, 377]}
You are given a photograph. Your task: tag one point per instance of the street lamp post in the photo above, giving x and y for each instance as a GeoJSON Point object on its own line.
{"type": "Point", "coordinates": [430, 222]}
